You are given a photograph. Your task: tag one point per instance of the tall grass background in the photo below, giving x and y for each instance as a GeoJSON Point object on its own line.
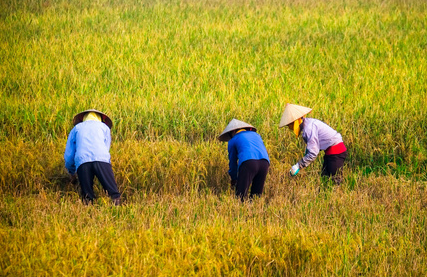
{"type": "Point", "coordinates": [171, 75]}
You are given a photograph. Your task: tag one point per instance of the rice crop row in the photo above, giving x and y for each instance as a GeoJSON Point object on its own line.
{"type": "Point", "coordinates": [171, 75]}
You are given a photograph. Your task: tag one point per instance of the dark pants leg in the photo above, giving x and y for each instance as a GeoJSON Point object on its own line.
{"type": "Point", "coordinates": [86, 175]}
{"type": "Point", "coordinates": [105, 175]}
{"type": "Point", "coordinates": [251, 171]}
{"type": "Point", "coordinates": [104, 172]}
{"type": "Point", "coordinates": [332, 166]}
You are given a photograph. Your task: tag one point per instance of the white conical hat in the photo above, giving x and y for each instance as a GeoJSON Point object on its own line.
{"type": "Point", "coordinates": [79, 117]}
{"type": "Point", "coordinates": [292, 112]}
{"type": "Point", "coordinates": [233, 125]}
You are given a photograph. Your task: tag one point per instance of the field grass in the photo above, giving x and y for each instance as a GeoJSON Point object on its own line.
{"type": "Point", "coordinates": [171, 75]}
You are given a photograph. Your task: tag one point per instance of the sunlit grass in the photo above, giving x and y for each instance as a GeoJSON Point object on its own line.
{"type": "Point", "coordinates": [377, 229]}
{"type": "Point", "coordinates": [182, 70]}
{"type": "Point", "coordinates": [171, 75]}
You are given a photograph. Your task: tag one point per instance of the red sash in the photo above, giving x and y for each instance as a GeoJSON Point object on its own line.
{"type": "Point", "coordinates": [336, 149]}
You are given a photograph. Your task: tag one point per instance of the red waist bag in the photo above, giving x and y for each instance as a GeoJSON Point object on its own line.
{"type": "Point", "coordinates": [336, 149]}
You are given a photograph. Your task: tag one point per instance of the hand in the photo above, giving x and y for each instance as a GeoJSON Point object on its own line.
{"type": "Point", "coordinates": [294, 169]}
{"type": "Point", "coordinates": [73, 179]}
{"type": "Point", "coordinates": [233, 183]}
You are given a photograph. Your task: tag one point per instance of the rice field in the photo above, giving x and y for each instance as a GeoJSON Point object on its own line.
{"type": "Point", "coordinates": [171, 75]}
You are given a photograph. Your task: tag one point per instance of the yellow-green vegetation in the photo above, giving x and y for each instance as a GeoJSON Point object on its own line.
{"type": "Point", "coordinates": [171, 75]}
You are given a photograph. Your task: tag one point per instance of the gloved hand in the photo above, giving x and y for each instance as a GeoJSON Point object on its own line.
{"type": "Point", "coordinates": [294, 169]}
{"type": "Point", "coordinates": [233, 183]}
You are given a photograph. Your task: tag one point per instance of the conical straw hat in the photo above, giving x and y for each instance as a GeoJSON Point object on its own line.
{"type": "Point", "coordinates": [292, 112]}
{"type": "Point", "coordinates": [79, 117]}
{"type": "Point", "coordinates": [233, 125]}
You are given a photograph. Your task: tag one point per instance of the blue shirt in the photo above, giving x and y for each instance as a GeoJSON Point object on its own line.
{"type": "Point", "coordinates": [246, 145]}
{"type": "Point", "coordinates": [318, 136]}
{"type": "Point", "coordinates": [88, 141]}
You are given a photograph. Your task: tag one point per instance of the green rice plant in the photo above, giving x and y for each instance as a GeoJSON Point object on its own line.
{"type": "Point", "coordinates": [171, 75]}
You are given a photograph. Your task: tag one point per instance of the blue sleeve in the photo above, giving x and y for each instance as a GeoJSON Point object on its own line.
{"type": "Point", "coordinates": [232, 157]}
{"type": "Point", "coordinates": [70, 150]}
{"type": "Point", "coordinates": [108, 138]}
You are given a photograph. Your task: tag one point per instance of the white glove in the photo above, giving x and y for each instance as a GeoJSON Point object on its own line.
{"type": "Point", "coordinates": [294, 169]}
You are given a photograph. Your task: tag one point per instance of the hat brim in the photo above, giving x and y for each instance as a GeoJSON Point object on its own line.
{"type": "Point", "coordinates": [232, 126]}
{"type": "Point", "coordinates": [293, 112]}
{"type": "Point", "coordinates": [79, 117]}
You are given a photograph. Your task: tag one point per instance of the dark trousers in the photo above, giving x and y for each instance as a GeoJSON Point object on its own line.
{"type": "Point", "coordinates": [104, 172]}
{"type": "Point", "coordinates": [332, 166]}
{"type": "Point", "coordinates": [251, 171]}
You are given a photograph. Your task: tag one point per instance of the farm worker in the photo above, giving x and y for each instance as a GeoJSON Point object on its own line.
{"type": "Point", "coordinates": [88, 153]}
{"type": "Point", "coordinates": [318, 136]}
{"type": "Point", "coordinates": [248, 158]}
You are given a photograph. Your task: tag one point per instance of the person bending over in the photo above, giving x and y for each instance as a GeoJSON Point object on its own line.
{"type": "Point", "coordinates": [88, 153]}
{"type": "Point", "coordinates": [319, 137]}
{"type": "Point", "coordinates": [248, 158]}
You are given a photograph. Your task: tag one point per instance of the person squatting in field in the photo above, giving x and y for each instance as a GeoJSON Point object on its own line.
{"type": "Point", "coordinates": [88, 152]}
{"type": "Point", "coordinates": [248, 158]}
{"type": "Point", "coordinates": [318, 136]}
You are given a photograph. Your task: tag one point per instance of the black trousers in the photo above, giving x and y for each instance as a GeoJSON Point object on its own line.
{"type": "Point", "coordinates": [332, 165]}
{"type": "Point", "coordinates": [251, 171]}
{"type": "Point", "coordinates": [104, 172]}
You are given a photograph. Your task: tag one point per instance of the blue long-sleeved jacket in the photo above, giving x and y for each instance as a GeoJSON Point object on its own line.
{"type": "Point", "coordinates": [246, 145]}
{"type": "Point", "coordinates": [88, 141]}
